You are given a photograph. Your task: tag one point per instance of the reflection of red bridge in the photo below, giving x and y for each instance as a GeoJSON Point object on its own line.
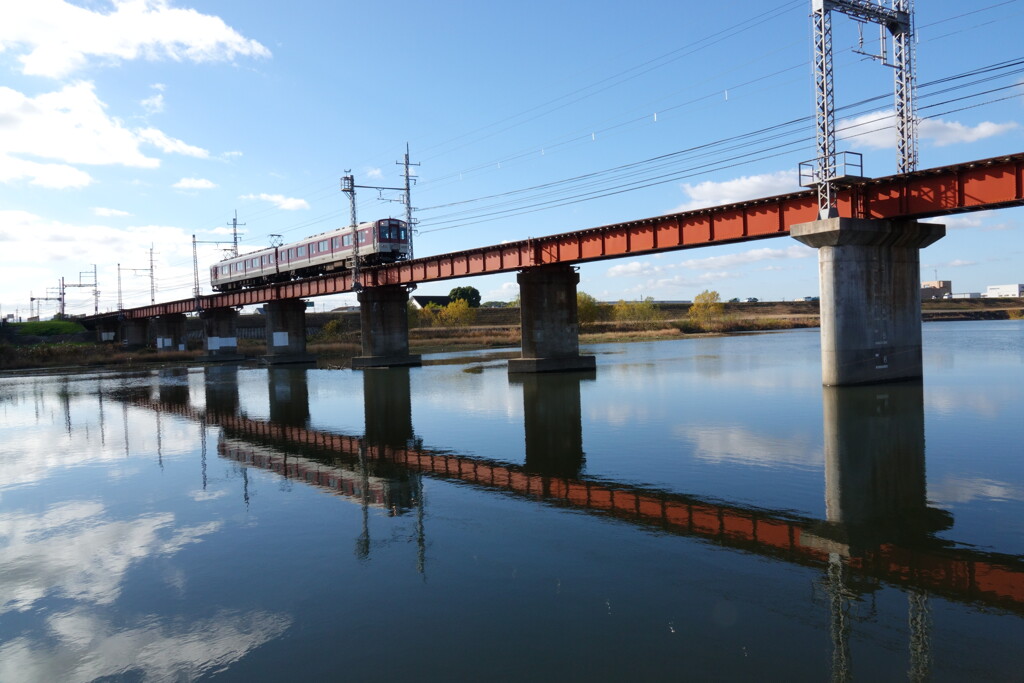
{"type": "Point", "coordinates": [957, 573]}
{"type": "Point", "coordinates": [393, 495]}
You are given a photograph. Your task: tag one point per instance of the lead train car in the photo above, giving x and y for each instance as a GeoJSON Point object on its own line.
{"type": "Point", "coordinates": [383, 241]}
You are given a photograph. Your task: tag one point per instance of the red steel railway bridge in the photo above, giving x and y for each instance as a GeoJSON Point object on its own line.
{"type": "Point", "coordinates": [878, 223]}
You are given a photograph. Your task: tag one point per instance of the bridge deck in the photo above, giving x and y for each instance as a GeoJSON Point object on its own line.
{"type": "Point", "coordinates": [972, 186]}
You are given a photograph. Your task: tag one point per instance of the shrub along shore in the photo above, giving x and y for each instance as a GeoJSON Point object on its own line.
{"type": "Point", "coordinates": [66, 344]}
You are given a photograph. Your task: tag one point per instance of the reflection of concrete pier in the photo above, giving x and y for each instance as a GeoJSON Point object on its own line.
{"type": "Point", "coordinates": [289, 396]}
{"type": "Point", "coordinates": [172, 386]}
{"type": "Point", "coordinates": [553, 422]}
{"type": "Point", "coordinates": [387, 404]}
{"type": "Point", "coordinates": [221, 387]}
{"type": "Point", "coordinates": [875, 488]}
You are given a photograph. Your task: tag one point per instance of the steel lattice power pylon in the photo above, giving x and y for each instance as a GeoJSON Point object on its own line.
{"type": "Point", "coordinates": [897, 20]}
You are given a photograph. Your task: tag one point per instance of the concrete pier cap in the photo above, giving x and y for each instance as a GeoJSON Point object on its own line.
{"type": "Point", "coordinates": [870, 282]}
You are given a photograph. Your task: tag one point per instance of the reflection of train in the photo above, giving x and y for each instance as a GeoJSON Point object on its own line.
{"type": "Point", "coordinates": [383, 241]}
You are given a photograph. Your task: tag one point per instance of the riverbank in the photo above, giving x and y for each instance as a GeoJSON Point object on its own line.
{"type": "Point", "coordinates": [495, 328]}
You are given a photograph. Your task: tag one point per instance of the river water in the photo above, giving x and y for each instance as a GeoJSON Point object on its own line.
{"type": "Point", "coordinates": [698, 509]}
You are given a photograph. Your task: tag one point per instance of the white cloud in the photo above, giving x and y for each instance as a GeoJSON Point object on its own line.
{"type": "Point", "coordinates": [877, 130]}
{"type": "Point", "coordinates": [70, 125]}
{"type": "Point", "coordinates": [171, 145]}
{"type": "Point", "coordinates": [54, 38]}
{"type": "Point", "coordinates": [641, 268]}
{"type": "Point", "coordinates": [279, 200]}
{"type": "Point", "coordinates": [709, 193]}
{"type": "Point", "coordinates": [233, 154]}
{"type": "Point", "coordinates": [53, 176]}
{"type": "Point", "coordinates": [154, 104]}
{"type": "Point", "coordinates": [375, 174]}
{"type": "Point", "coordinates": [68, 246]}
{"type": "Point", "coordinates": [108, 213]}
{"type": "Point", "coordinates": [951, 133]}
{"type": "Point", "coordinates": [194, 184]}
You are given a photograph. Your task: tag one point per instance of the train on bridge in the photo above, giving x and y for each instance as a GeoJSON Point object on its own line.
{"type": "Point", "coordinates": [381, 241]}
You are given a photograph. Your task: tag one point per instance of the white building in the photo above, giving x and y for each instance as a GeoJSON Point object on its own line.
{"type": "Point", "coordinates": [1002, 291]}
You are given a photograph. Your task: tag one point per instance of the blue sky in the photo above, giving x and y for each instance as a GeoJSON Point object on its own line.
{"type": "Point", "coordinates": [126, 124]}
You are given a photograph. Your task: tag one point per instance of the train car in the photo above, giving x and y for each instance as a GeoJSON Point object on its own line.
{"type": "Point", "coordinates": [382, 241]}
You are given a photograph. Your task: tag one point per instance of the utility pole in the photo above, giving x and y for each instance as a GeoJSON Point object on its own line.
{"type": "Point", "coordinates": [898, 20]}
{"type": "Point", "coordinates": [152, 280]}
{"type": "Point", "coordinates": [58, 298]}
{"type": "Point", "coordinates": [234, 234]}
{"type": "Point", "coordinates": [93, 284]}
{"type": "Point", "coordinates": [408, 196]}
{"type": "Point", "coordinates": [195, 263]}
{"type": "Point", "coordinates": [348, 186]}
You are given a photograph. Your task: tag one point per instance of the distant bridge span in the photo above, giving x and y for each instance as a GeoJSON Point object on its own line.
{"type": "Point", "coordinates": [972, 186]}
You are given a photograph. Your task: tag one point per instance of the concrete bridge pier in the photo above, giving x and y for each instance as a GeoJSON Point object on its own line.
{"type": "Point", "coordinates": [134, 333]}
{"type": "Point", "coordinates": [220, 334]}
{"type": "Point", "coordinates": [550, 323]}
{"type": "Point", "coordinates": [870, 280]}
{"type": "Point", "coordinates": [169, 331]}
{"type": "Point", "coordinates": [384, 328]}
{"type": "Point", "coordinates": [106, 330]}
{"type": "Point", "coordinates": [286, 332]}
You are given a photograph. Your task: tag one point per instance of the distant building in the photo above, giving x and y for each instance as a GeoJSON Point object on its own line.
{"type": "Point", "coordinates": [420, 302]}
{"type": "Point", "coordinates": [938, 289]}
{"type": "Point", "coordinates": [1001, 291]}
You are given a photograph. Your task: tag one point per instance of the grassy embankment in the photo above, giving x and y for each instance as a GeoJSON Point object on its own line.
{"type": "Point", "coordinates": [65, 343]}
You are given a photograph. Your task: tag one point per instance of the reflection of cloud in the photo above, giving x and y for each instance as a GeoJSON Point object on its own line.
{"type": "Point", "coordinates": [88, 648]}
{"type": "Point", "coordinates": [737, 445]}
{"type": "Point", "coordinates": [963, 490]}
{"type": "Point", "coordinates": [950, 401]}
{"type": "Point", "coordinates": [71, 551]}
{"type": "Point", "coordinates": [34, 458]}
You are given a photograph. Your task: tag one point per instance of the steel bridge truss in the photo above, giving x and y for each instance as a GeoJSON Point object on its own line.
{"type": "Point", "coordinates": [898, 20]}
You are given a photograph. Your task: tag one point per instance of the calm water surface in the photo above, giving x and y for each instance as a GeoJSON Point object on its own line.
{"type": "Point", "coordinates": [694, 510]}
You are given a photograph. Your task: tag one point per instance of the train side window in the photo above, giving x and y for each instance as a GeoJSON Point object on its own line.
{"type": "Point", "coordinates": [302, 250]}
{"type": "Point", "coordinates": [334, 243]}
{"type": "Point", "coordinates": [322, 247]}
{"type": "Point", "coordinates": [362, 237]}
{"type": "Point", "coordinates": [346, 240]}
